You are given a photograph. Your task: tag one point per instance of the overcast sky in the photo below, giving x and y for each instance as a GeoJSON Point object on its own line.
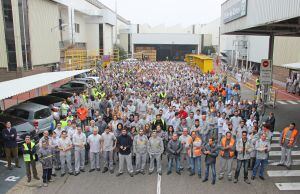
{"type": "Point", "coordinates": [169, 12]}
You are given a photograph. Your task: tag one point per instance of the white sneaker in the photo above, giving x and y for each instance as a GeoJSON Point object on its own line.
{"type": "Point", "coordinates": [45, 185]}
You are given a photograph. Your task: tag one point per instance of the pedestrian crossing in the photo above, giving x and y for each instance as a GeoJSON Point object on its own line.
{"type": "Point", "coordinates": [288, 102]}
{"type": "Point", "coordinates": [284, 179]}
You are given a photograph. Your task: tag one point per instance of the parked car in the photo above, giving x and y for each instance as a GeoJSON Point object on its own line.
{"type": "Point", "coordinates": [73, 86]}
{"type": "Point", "coordinates": [22, 126]}
{"type": "Point", "coordinates": [50, 101]}
{"type": "Point", "coordinates": [64, 95]}
{"type": "Point", "coordinates": [90, 80]}
{"type": "Point", "coordinates": [37, 114]}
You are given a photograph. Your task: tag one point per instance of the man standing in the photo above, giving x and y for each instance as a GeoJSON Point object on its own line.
{"type": "Point", "coordinates": [243, 147]}
{"type": "Point", "coordinates": [124, 143]}
{"type": "Point", "coordinates": [194, 151]}
{"type": "Point", "coordinates": [108, 144]}
{"type": "Point", "coordinates": [10, 145]}
{"type": "Point", "coordinates": [79, 141]}
{"type": "Point", "coordinates": [159, 121]}
{"type": "Point", "coordinates": [287, 141]}
{"type": "Point", "coordinates": [227, 153]}
{"type": "Point", "coordinates": [94, 142]}
{"type": "Point", "coordinates": [29, 152]}
{"type": "Point", "coordinates": [184, 138]}
{"type": "Point", "coordinates": [210, 151]}
{"type": "Point", "coordinates": [262, 148]}
{"type": "Point", "coordinates": [65, 146]}
{"type": "Point", "coordinates": [155, 149]}
{"type": "Point", "coordinates": [174, 149]}
{"type": "Point", "coordinates": [140, 142]}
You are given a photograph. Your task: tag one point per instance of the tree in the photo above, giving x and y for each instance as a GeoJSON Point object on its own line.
{"type": "Point", "coordinates": [122, 52]}
{"type": "Point", "coordinates": [208, 50]}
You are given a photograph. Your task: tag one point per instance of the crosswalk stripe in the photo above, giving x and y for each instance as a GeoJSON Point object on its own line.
{"type": "Point", "coordinates": [288, 186]}
{"type": "Point", "coordinates": [292, 102]}
{"type": "Point", "coordinates": [283, 173]}
{"type": "Point", "coordinates": [273, 163]}
{"type": "Point", "coordinates": [276, 133]}
{"type": "Point", "coordinates": [278, 153]}
{"type": "Point", "coordinates": [275, 145]}
{"type": "Point", "coordinates": [276, 138]}
{"type": "Point", "coordinates": [281, 102]}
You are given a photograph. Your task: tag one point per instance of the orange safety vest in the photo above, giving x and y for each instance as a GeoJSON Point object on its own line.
{"type": "Point", "coordinates": [223, 144]}
{"type": "Point", "coordinates": [196, 150]}
{"type": "Point", "coordinates": [292, 138]}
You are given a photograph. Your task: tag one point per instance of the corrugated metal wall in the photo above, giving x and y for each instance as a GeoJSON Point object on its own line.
{"type": "Point", "coordinates": [260, 12]}
{"type": "Point", "coordinates": [43, 15]}
{"type": "Point", "coordinates": [286, 50]}
{"type": "Point", "coordinates": [3, 53]}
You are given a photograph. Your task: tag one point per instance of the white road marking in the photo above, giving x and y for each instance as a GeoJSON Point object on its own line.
{"type": "Point", "coordinates": [158, 190]}
{"type": "Point", "coordinates": [292, 102]}
{"type": "Point", "coordinates": [283, 173]}
{"type": "Point", "coordinates": [5, 162]}
{"type": "Point", "coordinates": [275, 145]}
{"type": "Point", "coordinates": [276, 133]}
{"type": "Point", "coordinates": [288, 186]}
{"type": "Point", "coordinates": [278, 153]}
{"type": "Point", "coordinates": [12, 178]}
{"type": "Point", "coordinates": [275, 163]}
{"type": "Point", "coordinates": [276, 138]}
{"type": "Point", "coordinates": [281, 102]}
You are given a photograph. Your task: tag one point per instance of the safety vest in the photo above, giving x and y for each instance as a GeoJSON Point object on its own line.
{"type": "Point", "coordinates": [27, 156]}
{"type": "Point", "coordinates": [64, 123]}
{"type": "Point", "coordinates": [196, 150]}
{"type": "Point", "coordinates": [102, 94]}
{"type": "Point", "coordinates": [223, 144]}
{"type": "Point", "coordinates": [163, 122]}
{"type": "Point", "coordinates": [95, 92]}
{"type": "Point", "coordinates": [292, 137]}
{"type": "Point", "coordinates": [163, 95]}
{"type": "Point", "coordinates": [257, 82]}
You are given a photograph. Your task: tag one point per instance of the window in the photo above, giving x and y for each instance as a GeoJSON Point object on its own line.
{"type": "Point", "coordinates": [77, 29]}
{"type": "Point", "coordinates": [68, 85]}
{"type": "Point", "coordinates": [42, 114]}
{"type": "Point", "coordinates": [18, 113]}
{"type": "Point", "coordinates": [77, 85]}
{"type": "Point", "coordinates": [101, 36]}
{"type": "Point", "coordinates": [9, 35]}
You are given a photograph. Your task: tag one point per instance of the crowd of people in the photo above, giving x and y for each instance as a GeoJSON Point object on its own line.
{"type": "Point", "coordinates": [146, 112]}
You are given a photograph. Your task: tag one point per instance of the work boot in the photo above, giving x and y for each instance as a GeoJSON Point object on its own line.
{"type": "Point", "coordinates": [213, 182]}
{"type": "Point", "coordinates": [137, 172]}
{"type": "Point", "coordinates": [262, 178]}
{"type": "Point", "coordinates": [235, 181]}
{"type": "Point", "coordinates": [98, 169]}
{"type": "Point", "coordinates": [119, 174]}
{"type": "Point", "coordinates": [91, 170]}
{"type": "Point", "coordinates": [178, 172]}
{"type": "Point", "coordinates": [111, 171]}
{"type": "Point", "coordinates": [192, 174]}
{"type": "Point", "coordinates": [205, 180]}
{"type": "Point", "coordinates": [142, 172]}
{"type": "Point", "coordinates": [150, 172]}
{"type": "Point", "coordinates": [131, 174]}
{"type": "Point", "coordinates": [104, 170]}
{"type": "Point", "coordinates": [28, 180]}
{"type": "Point", "coordinates": [221, 177]}
{"type": "Point", "coordinates": [169, 172]}
{"type": "Point", "coordinates": [247, 181]}
{"type": "Point", "coordinates": [253, 177]}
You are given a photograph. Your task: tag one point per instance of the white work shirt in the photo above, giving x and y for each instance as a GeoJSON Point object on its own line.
{"type": "Point", "coordinates": [94, 142]}
{"type": "Point", "coordinates": [79, 139]}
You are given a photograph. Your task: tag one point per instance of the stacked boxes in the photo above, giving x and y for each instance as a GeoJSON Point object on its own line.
{"type": "Point", "coordinates": [147, 53]}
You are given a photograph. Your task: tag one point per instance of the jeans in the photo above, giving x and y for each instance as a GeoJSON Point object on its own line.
{"type": "Point", "coordinates": [213, 170]}
{"type": "Point", "coordinates": [157, 158]}
{"type": "Point", "coordinates": [108, 159]}
{"type": "Point", "coordinates": [79, 159]}
{"type": "Point", "coordinates": [195, 161]}
{"type": "Point", "coordinates": [47, 175]}
{"type": "Point", "coordinates": [177, 162]}
{"type": "Point", "coordinates": [262, 163]}
{"type": "Point", "coordinates": [31, 164]}
{"type": "Point", "coordinates": [245, 164]}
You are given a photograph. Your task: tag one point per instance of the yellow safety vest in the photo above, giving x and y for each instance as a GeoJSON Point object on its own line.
{"type": "Point", "coordinates": [102, 94]}
{"type": "Point", "coordinates": [27, 156]}
{"type": "Point", "coordinates": [63, 123]}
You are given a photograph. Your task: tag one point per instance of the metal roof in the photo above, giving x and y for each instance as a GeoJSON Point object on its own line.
{"type": "Point", "coordinates": [18, 86]}
{"type": "Point", "coordinates": [295, 66]}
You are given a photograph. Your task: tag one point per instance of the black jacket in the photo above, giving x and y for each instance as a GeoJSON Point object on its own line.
{"type": "Point", "coordinates": [9, 138]}
{"type": "Point", "coordinates": [125, 141]}
{"type": "Point", "coordinates": [271, 122]}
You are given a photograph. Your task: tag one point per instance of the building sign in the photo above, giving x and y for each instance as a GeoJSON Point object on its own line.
{"type": "Point", "coordinates": [236, 11]}
{"type": "Point", "coordinates": [265, 72]}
